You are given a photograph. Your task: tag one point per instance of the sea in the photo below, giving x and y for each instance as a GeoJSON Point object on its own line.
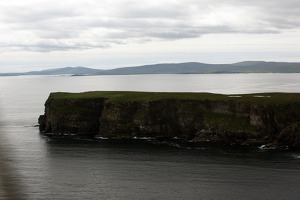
{"type": "Point", "coordinates": [34, 166]}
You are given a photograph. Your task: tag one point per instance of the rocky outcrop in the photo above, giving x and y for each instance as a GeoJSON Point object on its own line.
{"type": "Point", "coordinates": [198, 119]}
{"type": "Point", "coordinates": [290, 136]}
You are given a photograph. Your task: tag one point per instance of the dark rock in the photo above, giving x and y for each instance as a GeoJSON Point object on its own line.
{"type": "Point", "coordinates": [42, 122]}
{"type": "Point", "coordinates": [290, 136]}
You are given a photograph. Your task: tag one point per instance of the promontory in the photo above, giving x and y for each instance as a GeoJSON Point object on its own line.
{"type": "Point", "coordinates": [271, 119]}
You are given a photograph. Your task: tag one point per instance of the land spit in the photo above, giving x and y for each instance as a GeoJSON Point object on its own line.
{"type": "Point", "coordinates": [271, 119]}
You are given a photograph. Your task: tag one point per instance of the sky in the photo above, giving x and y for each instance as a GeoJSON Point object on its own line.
{"type": "Point", "coordinates": [43, 34]}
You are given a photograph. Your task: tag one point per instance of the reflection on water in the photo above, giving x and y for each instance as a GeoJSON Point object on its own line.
{"type": "Point", "coordinates": [52, 168]}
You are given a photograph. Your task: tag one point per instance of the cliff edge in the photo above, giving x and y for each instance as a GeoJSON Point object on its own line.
{"type": "Point", "coordinates": [269, 118]}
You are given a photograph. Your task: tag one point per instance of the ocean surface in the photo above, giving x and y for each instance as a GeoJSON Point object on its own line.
{"type": "Point", "coordinates": [38, 167]}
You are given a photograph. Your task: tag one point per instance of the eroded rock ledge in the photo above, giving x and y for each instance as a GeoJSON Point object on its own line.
{"type": "Point", "coordinates": [271, 118]}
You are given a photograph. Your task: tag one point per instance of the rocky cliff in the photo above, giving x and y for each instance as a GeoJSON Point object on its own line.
{"type": "Point", "coordinates": [271, 119]}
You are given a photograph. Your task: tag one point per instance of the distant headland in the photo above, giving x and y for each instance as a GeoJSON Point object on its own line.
{"type": "Point", "coordinates": [269, 119]}
{"type": "Point", "coordinates": [175, 68]}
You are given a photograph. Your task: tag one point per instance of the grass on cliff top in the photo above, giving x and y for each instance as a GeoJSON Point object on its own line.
{"type": "Point", "coordinates": [268, 98]}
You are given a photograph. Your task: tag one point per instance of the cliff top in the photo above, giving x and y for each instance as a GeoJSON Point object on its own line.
{"type": "Point", "coordinates": [121, 96]}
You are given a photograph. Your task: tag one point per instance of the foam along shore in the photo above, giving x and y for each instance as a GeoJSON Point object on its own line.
{"type": "Point", "coordinates": [273, 120]}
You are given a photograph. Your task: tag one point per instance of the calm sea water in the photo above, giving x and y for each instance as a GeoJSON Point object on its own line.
{"type": "Point", "coordinates": [47, 168]}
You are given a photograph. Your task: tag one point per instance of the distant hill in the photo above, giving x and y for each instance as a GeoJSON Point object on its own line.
{"type": "Point", "coordinates": [58, 71]}
{"type": "Point", "coordinates": [176, 68]}
{"type": "Point", "coordinates": [202, 68]}
{"type": "Point", "coordinates": [66, 70]}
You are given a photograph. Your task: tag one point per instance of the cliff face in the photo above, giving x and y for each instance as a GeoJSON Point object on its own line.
{"type": "Point", "coordinates": [73, 116]}
{"type": "Point", "coordinates": [164, 118]}
{"type": "Point", "coordinates": [199, 119]}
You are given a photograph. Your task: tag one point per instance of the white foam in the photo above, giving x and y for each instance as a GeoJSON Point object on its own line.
{"type": "Point", "coordinates": [101, 138]}
{"type": "Point", "coordinates": [296, 156]}
{"type": "Point", "coordinates": [264, 147]}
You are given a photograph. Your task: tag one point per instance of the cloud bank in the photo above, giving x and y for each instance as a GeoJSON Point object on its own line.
{"type": "Point", "coordinates": [53, 25]}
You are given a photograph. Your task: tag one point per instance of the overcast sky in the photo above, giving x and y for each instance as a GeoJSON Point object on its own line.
{"type": "Point", "coordinates": [40, 34]}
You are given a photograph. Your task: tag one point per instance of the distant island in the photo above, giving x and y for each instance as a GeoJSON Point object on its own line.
{"type": "Point", "coordinates": [175, 68]}
{"type": "Point", "coordinates": [269, 119]}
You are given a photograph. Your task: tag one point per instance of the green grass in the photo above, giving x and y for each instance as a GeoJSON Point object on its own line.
{"type": "Point", "coordinates": [270, 98]}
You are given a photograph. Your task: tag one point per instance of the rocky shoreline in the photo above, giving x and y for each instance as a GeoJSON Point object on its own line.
{"type": "Point", "coordinates": [272, 119]}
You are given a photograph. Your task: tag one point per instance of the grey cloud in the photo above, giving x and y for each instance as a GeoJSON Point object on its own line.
{"type": "Point", "coordinates": [281, 14]}
{"type": "Point", "coordinates": [49, 46]}
{"type": "Point", "coordinates": [32, 14]}
{"type": "Point", "coordinates": [62, 34]}
{"type": "Point", "coordinates": [139, 10]}
{"type": "Point", "coordinates": [100, 24]}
